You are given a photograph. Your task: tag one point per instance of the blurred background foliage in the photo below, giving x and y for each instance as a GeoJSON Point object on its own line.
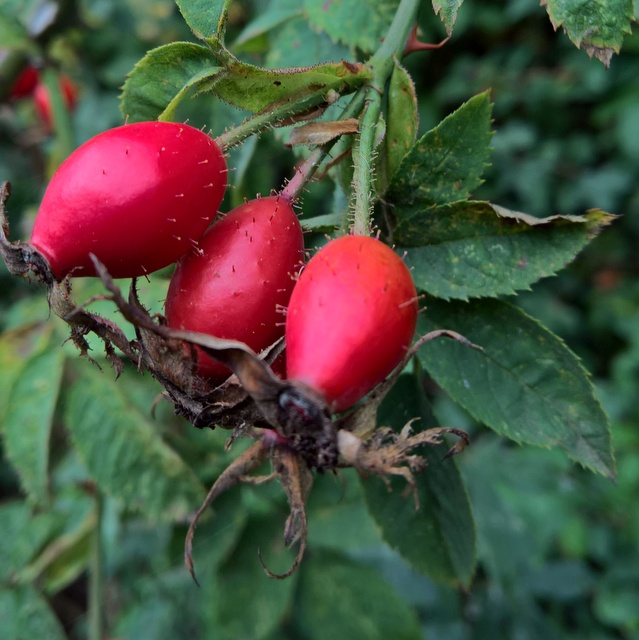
{"type": "Point", "coordinates": [558, 548]}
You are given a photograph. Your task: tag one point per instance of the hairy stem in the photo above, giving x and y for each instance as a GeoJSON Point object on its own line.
{"type": "Point", "coordinates": [363, 150]}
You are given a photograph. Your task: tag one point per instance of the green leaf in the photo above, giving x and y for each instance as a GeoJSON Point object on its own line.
{"type": "Point", "coordinates": [162, 78]}
{"type": "Point", "coordinates": [245, 602]}
{"type": "Point", "coordinates": [277, 13]}
{"type": "Point", "coordinates": [325, 223]}
{"type": "Point", "coordinates": [16, 548]}
{"type": "Point", "coordinates": [438, 539]}
{"type": "Point", "coordinates": [526, 384]}
{"type": "Point", "coordinates": [67, 554]}
{"type": "Point", "coordinates": [338, 516]}
{"type": "Point", "coordinates": [340, 598]}
{"type": "Point", "coordinates": [17, 347]}
{"type": "Point", "coordinates": [401, 121]}
{"type": "Point", "coordinates": [124, 452]}
{"type": "Point", "coordinates": [255, 89]}
{"type": "Point", "coordinates": [298, 45]}
{"type": "Point", "coordinates": [477, 249]}
{"type": "Point", "coordinates": [447, 11]}
{"type": "Point", "coordinates": [206, 18]}
{"type": "Point", "coordinates": [356, 23]}
{"type": "Point", "coordinates": [25, 614]}
{"type": "Point", "coordinates": [597, 26]}
{"type": "Point", "coordinates": [28, 421]}
{"type": "Point", "coordinates": [446, 164]}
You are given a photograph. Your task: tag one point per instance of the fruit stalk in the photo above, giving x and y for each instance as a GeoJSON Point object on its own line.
{"type": "Point", "coordinates": [364, 146]}
{"type": "Point", "coordinates": [363, 149]}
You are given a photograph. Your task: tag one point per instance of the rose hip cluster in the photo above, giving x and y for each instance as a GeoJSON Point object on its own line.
{"type": "Point", "coordinates": [143, 196]}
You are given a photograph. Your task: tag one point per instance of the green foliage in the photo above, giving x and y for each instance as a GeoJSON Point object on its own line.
{"type": "Point", "coordinates": [254, 89]}
{"type": "Point", "coordinates": [356, 23]}
{"type": "Point", "coordinates": [447, 11]}
{"type": "Point", "coordinates": [161, 79]}
{"type": "Point", "coordinates": [401, 121]}
{"type": "Point", "coordinates": [28, 419]}
{"type": "Point", "coordinates": [206, 19]}
{"type": "Point", "coordinates": [246, 603]}
{"type": "Point", "coordinates": [25, 614]}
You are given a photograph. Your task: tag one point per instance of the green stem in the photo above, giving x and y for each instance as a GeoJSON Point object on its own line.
{"type": "Point", "coordinates": [96, 577]}
{"type": "Point", "coordinates": [362, 160]}
{"type": "Point", "coordinates": [382, 63]}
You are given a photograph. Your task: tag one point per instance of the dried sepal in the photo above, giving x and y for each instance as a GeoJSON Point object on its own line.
{"type": "Point", "coordinates": [296, 479]}
{"type": "Point", "coordinates": [234, 473]}
{"type": "Point", "coordinates": [388, 453]}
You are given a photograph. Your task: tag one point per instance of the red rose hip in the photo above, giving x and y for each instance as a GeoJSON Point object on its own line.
{"type": "Point", "coordinates": [350, 320]}
{"type": "Point", "coordinates": [138, 197]}
{"type": "Point", "coordinates": [234, 285]}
